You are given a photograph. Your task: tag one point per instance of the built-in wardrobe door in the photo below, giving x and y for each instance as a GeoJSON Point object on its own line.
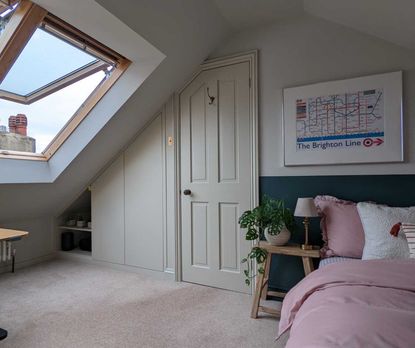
{"type": "Point", "coordinates": [108, 214]}
{"type": "Point", "coordinates": [144, 202]}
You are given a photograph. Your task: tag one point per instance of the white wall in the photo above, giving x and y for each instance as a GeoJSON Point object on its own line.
{"type": "Point", "coordinates": [307, 50]}
{"type": "Point", "coordinates": [38, 246]}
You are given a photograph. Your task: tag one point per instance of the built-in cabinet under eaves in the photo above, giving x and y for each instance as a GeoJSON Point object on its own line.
{"type": "Point", "coordinates": [133, 200]}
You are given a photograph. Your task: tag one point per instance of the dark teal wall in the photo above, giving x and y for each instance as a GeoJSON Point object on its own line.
{"type": "Point", "coordinates": [393, 190]}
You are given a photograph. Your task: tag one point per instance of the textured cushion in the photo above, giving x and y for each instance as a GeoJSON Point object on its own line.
{"type": "Point", "coordinates": [341, 227]}
{"type": "Point", "coordinates": [408, 230]}
{"type": "Point", "coordinates": [377, 221]}
{"type": "Point", "coordinates": [334, 259]}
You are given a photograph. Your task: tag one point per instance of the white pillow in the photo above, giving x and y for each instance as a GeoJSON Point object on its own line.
{"type": "Point", "coordinates": [377, 221]}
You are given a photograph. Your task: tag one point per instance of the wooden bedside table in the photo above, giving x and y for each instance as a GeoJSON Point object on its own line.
{"type": "Point", "coordinates": [261, 290]}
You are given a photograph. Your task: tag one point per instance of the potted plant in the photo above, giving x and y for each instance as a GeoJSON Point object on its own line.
{"type": "Point", "coordinates": [270, 220]}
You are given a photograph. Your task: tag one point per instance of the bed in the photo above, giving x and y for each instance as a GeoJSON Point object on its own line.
{"type": "Point", "coordinates": [363, 294]}
{"type": "Point", "coordinates": [329, 260]}
{"type": "Point", "coordinates": [353, 303]}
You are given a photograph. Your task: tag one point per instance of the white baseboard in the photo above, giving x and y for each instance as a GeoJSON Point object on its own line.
{"type": "Point", "coordinates": [4, 268]}
{"type": "Point", "coordinates": [86, 258]}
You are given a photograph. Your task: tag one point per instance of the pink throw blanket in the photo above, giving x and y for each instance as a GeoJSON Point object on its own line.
{"type": "Point", "coordinates": [353, 304]}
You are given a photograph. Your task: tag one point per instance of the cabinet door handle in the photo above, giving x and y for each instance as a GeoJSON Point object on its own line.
{"type": "Point", "coordinates": [187, 192]}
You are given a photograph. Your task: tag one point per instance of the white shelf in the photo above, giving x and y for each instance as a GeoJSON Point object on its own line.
{"type": "Point", "coordinates": [74, 228]}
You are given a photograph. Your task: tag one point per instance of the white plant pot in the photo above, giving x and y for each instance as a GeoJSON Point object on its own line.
{"type": "Point", "coordinates": [281, 238]}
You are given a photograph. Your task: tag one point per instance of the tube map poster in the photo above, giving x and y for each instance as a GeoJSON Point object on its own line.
{"type": "Point", "coordinates": [340, 121]}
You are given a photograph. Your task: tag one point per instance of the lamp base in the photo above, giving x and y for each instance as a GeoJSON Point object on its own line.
{"type": "Point", "coordinates": [306, 247]}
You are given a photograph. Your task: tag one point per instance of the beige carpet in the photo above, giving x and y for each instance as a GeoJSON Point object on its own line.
{"type": "Point", "coordinates": [69, 304]}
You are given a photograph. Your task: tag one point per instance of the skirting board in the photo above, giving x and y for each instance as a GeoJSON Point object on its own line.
{"type": "Point", "coordinates": [4, 268]}
{"type": "Point", "coordinates": [82, 258]}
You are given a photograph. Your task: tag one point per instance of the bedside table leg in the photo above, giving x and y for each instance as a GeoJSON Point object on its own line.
{"type": "Point", "coordinates": [308, 265]}
{"type": "Point", "coordinates": [264, 290]}
{"type": "Point", "coordinates": [257, 295]}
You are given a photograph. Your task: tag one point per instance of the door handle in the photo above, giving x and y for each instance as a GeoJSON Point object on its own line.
{"type": "Point", "coordinates": [187, 192]}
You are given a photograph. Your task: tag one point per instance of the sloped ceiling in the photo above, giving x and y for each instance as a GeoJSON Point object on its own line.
{"type": "Point", "coordinates": [242, 14]}
{"type": "Point", "coordinates": [392, 21]}
{"type": "Point", "coordinates": [186, 31]}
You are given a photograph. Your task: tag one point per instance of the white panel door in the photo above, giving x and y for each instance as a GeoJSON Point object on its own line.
{"type": "Point", "coordinates": [108, 214]}
{"type": "Point", "coordinates": [216, 166]}
{"type": "Point", "coordinates": [144, 199]}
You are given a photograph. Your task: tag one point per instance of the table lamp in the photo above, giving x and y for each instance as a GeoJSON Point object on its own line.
{"type": "Point", "coordinates": [306, 208]}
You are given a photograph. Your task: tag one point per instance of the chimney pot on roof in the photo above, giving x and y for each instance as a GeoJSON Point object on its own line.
{"type": "Point", "coordinates": [12, 124]}
{"type": "Point", "coordinates": [18, 124]}
{"type": "Point", "coordinates": [21, 124]}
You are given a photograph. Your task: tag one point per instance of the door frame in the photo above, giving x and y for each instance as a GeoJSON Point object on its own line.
{"type": "Point", "coordinates": [252, 58]}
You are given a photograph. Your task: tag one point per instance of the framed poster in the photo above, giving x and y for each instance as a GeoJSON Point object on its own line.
{"type": "Point", "coordinates": [357, 120]}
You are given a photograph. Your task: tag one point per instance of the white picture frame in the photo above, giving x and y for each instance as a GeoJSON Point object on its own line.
{"type": "Point", "coordinates": [357, 120]}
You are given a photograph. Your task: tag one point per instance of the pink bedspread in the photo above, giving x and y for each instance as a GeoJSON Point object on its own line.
{"type": "Point", "coordinates": [353, 304]}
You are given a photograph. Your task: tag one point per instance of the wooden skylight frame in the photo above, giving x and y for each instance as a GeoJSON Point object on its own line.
{"type": "Point", "coordinates": [28, 17]}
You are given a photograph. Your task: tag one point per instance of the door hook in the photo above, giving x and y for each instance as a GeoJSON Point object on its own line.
{"type": "Point", "coordinates": [210, 97]}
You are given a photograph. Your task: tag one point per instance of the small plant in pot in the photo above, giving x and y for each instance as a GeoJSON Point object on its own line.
{"type": "Point", "coordinates": [270, 220]}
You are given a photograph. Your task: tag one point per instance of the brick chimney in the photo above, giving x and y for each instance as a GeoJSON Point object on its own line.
{"type": "Point", "coordinates": [21, 124]}
{"type": "Point", "coordinates": [12, 124]}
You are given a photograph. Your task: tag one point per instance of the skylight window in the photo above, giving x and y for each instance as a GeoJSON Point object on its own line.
{"type": "Point", "coordinates": [43, 121]}
{"type": "Point", "coordinates": [45, 60]}
{"type": "Point", "coordinates": [51, 76]}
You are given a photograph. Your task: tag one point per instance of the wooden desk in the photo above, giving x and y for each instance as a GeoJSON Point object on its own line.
{"type": "Point", "coordinates": [8, 236]}
{"type": "Point", "coordinates": [261, 290]}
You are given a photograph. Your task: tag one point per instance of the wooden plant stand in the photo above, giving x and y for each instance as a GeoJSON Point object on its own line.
{"type": "Point", "coordinates": [261, 290]}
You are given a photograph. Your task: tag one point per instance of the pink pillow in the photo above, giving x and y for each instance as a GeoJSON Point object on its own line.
{"type": "Point", "coordinates": [342, 229]}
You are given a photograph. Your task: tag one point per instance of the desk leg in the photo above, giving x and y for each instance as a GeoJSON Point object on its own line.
{"type": "Point", "coordinates": [257, 295]}
{"type": "Point", "coordinates": [13, 260]}
{"type": "Point", "coordinates": [308, 265]}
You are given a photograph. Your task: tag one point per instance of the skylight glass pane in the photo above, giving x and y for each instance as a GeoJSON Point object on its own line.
{"type": "Point", "coordinates": [45, 117]}
{"type": "Point", "coordinates": [44, 59]}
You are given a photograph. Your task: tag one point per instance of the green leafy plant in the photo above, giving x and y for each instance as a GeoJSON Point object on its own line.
{"type": "Point", "coordinates": [271, 214]}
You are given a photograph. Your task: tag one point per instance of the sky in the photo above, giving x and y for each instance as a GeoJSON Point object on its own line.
{"type": "Point", "coordinates": [44, 59]}
{"type": "Point", "coordinates": [47, 116]}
